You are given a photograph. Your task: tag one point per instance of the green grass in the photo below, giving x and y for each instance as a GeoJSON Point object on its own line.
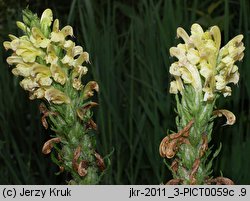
{"type": "Point", "coordinates": [129, 43]}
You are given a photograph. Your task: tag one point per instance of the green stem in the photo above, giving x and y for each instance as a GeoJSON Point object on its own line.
{"type": "Point", "coordinates": [192, 154]}
{"type": "Point", "coordinates": [77, 138]}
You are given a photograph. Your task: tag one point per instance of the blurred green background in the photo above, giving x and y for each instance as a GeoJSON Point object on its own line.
{"type": "Point", "coordinates": [129, 42]}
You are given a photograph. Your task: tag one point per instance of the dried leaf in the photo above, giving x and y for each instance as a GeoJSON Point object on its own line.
{"type": "Point", "coordinates": [175, 165]}
{"type": "Point", "coordinates": [229, 115]}
{"type": "Point", "coordinates": [61, 168]}
{"type": "Point", "coordinates": [194, 171]}
{"type": "Point", "coordinates": [170, 144]}
{"type": "Point", "coordinates": [91, 124]}
{"type": "Point", "coordinates": [183, 132]}
{"type": "Point", "coordinates": [100, 162]}
{"type": "Point", "coordinates": [174, 182]}
{"type": "Point", "coordinates": [88, 90]}
{"type": "Point", "coordinates": [49, 145]}
{"type": "Point", "coordinates": [82, 168]}
{"type": "Point", "coordinates": [204, 145]}
{"type": "Point", "coordinates": [76, 156]}
{"type": "Point", "coordinates": [82, 110]}
{"type": "Point", "coordinates": [220, 181]}
{"type": "Point", "coordinates": [44, 110]}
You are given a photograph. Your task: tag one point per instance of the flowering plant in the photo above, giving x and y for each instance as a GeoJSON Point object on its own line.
{"type": "Point", "coordinates": [202, 72]}
{"type": "Point", "coordinates": [52, 67]}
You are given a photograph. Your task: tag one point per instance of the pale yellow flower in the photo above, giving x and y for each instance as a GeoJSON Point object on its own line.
{"type": "Point", "coordinates": [60, 35]}
{"type": "Point", "coordinates": [46, 18]}
{"type": "Point", "coordinates": [174, 87]}
{"type": "Point", "coordinates": [14, 59]}
{"type": "Point", "coordinates": [77, 74]}
{"type": "Point", "coordinates": [41, 74]}
{"type": "Point", "coordinates": [58, 74]}
{"type": "Point", "coordinates": [22, 69]}
{"type": "Point", "coordinates": [38, 39]}
{"type": "Point", "coordinates": [38, 93]}
{"type": "Point", "coordinates": [27, 50]}
{"type": "Point", "coordinates": [51, 57]}
{"type": "Point", "coordinates": [29, 84]}
{"type": "Point", "coordinates": [56, 96]}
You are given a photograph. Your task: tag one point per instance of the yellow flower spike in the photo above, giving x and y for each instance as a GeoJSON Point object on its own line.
{"type": "Point", "coordinates": [46, 18]}
{"type": "Point", "coordinates": [38, 39]}
{"type": "Point", "coordinates": [56, 96]}
{"type": "Point", "coordinates": [58, 74]}
{"type": "Point", "coordinates": [201, 56]}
